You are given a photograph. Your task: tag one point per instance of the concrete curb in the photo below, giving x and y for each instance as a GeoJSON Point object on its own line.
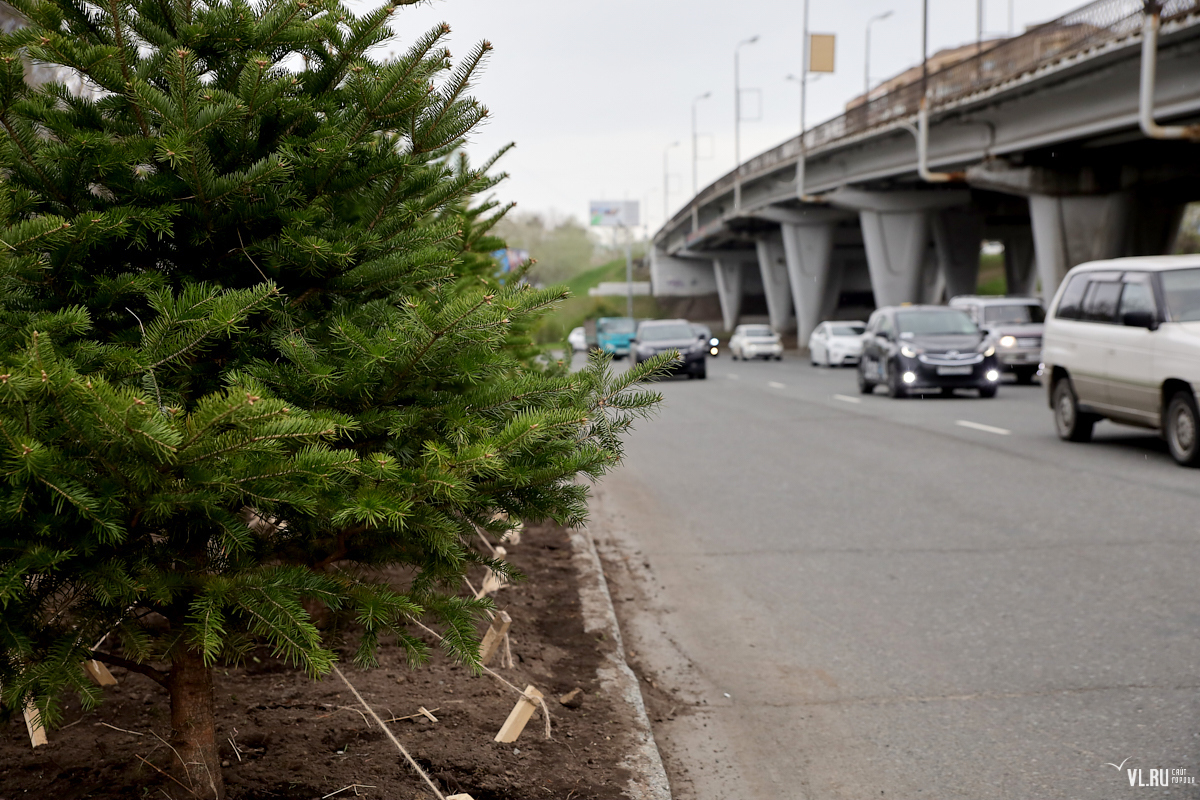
{"type": "Point", "coordinates": [648, 778]}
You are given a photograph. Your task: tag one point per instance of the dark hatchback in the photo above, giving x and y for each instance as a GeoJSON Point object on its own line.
{"type": "Point", "coordinates": [655, 336]}
{"type": "Point", "coordinates": [911, 349]}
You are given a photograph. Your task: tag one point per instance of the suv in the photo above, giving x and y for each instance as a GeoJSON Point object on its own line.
{"type": "Point", "coordinates": [911, 348]}
{"type": "Point", "coordinates": [1015, 325]}
{"type": "Point", "coordinates": [660, 335]}
{"type": "Point", "coordinates": [1123, 341]}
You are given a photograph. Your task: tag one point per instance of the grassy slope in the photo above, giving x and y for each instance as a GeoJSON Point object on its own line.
{"type": "Point", "coordinates": [578, 308]}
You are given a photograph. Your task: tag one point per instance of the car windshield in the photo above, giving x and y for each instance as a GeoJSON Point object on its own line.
{"type": "Point", "coordinates": [1015, 314]}
{"type": "Point", "coordinates": [661, 333]}
{"type": "Point", "coordinates": [1182, 290]}
{"type": "Point", "coordinates": [615, 325]}
{"type": "Point", "coordinates": [847, 330]}
{"type": "Point", "coordinates": [758, 331]}
{"type": "Point", "coordinates": [939, 322]}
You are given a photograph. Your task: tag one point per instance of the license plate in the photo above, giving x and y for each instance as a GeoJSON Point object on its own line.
{"type": "Point", "coordinates": [954, 370]}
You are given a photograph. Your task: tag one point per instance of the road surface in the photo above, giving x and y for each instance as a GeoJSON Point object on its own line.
{"type": "Point", "coordinates": [837, 596]}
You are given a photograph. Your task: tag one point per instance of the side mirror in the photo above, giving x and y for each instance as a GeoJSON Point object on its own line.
{"type": "Point", "coordinates": [1140, 319]}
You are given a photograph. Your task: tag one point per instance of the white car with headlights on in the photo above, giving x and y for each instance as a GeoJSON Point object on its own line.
{"type": "Point", "coordinates": [1014, 324]}
{"type": "Point", "coordinates": [755, 341]}
{"type": "Point", "coordinates": [836, 343]}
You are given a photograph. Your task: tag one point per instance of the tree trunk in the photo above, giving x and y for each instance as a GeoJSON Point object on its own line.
{"type": "Point", "coordinates": [194, 735]}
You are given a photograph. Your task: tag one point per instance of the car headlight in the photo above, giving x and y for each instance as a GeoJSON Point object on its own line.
{"type": "Point", "coordinates": [1008, 341]}
{"type": "Point", "coordinates": [991, 350]}
{"type": "Point", "coordinates": [713, 342]}
{"type": "Point", "coordinates": [908, 351]}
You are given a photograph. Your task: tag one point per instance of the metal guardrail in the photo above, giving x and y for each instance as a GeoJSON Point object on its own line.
{"type": "Point", "coordinates": [1098, 23]}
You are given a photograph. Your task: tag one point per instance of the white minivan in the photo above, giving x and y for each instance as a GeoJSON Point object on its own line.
{"type": "Point", "coordinates": [1122, 341]}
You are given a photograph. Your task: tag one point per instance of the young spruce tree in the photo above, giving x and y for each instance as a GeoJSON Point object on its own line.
{"type": "Point", "coordinates": [251, 345]}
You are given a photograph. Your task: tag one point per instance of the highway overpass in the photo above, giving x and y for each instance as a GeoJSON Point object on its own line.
{"type": "Point", "coordinates": [1035, 142]}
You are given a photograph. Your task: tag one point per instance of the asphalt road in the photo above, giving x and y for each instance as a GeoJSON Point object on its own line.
{"type": "Point", "coordinates": [837, 596]}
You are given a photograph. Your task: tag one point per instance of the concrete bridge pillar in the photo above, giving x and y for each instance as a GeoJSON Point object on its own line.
{"type": "Point", "coordinates": [1073, 229]}
{"type": "Point", "coordinates": [772, 263]}
{"type": "Point", "coordinates": [896, 230]}
{"type": "Point", "coordinates": [728, 273]}
{"type": "Point", "coordinates": [1020, 269]}
{"type": "Point", "coordinates": [808, 239]}
{"type": "Point", "coordinates": [958, 234]}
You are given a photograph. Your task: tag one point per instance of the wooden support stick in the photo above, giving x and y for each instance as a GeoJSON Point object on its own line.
{"type": "Point", "coordinates": [425, 713]}
{"type": "Point", "coordinates": [99, 673]}
{"type": "Point", "coordinates": [519, 716]}
{"type": "Point", "coordinates": [33, 724]}
{"type": "Point", "coordinates": [459, 797]}
{"type": "Point", "coordinates": [494, 636]}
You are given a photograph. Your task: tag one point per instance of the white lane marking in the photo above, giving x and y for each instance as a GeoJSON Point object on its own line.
{"type": "Point", "coordinates": [732, 377]}
{"type": "Point", "coordinates": [845, 398]}
{"type": "Point", "coordinates": [775, 385]}
{"type": "Point", "coordinates": [981, 427]}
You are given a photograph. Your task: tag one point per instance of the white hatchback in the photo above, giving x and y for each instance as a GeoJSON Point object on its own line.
{"type": "Point", "coordinates": [1122, 342]}
{"type": "Point", "coordinates": [836, 343]}
{"type": "Point", "coordinates": [755, 341]}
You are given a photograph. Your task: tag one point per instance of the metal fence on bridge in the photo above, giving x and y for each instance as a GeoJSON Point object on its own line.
{"type": "Point", "coordinates": [1097, 24]}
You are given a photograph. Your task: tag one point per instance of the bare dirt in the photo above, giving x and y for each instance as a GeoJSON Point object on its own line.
{"type": "Point", "coordinates": [285, 737]}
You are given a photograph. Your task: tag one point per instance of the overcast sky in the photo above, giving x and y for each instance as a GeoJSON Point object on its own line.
{"type": "Point", "coordinates": [592, 93]}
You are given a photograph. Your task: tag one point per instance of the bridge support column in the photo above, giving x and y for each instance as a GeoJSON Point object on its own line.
{"type": "Point", "coordinates": [728, 272]}
{"type": "Point", "coordinates": [896, 230]}
{"type": "Point", "coordinates": [958, 234]}
{"type": "Point", "coordinates": [1073, 229]}
{"type": "Point", "coordinates": [808, 248]}
{"type": "Point", "coordinates": [772, 263]}
{"type": "Point", "coordinates": [1020, 269]}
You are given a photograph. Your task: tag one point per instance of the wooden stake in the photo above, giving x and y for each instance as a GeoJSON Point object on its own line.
{"type": "Point", "coordinates": [459, 797]}
{"type": "Point", "coordinates": [519, 716]}
{"type": "Point", "coordinates": [494, 636]}
{"type": "Point", "coordinates": [33, 724]}
{"type": "Point", "coordinates": [425, 713]}
{"type": "Point", "coordinates": [99, 673]}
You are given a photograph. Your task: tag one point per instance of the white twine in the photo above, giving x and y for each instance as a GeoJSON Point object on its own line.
{"type": "Point", "coordinates": [390, 735]}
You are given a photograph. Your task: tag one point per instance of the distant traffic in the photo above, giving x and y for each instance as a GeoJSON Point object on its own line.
{"type": "Point", "coordinates": [1121, 342]}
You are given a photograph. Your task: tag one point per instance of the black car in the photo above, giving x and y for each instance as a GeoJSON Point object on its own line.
{"type": "Point", "coordinates": [656, 335]}
{"type": "Point", "coordinates": [914, 348]}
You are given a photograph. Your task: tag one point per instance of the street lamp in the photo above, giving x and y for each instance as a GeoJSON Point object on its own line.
{"type": "Point", "coordinates": [695, 155]}
{"type": "Point", "coordinates": [666, 180]}
{"type": "Point", "coordinates": [737, 122]}
{"type": "Point", "coordinates": [816, 76]}
{"type": "Point", "coordinates": [867, 69]}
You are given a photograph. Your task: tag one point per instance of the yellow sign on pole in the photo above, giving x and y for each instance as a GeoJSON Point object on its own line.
{"type": "Point", "coordinates": [820, 52]}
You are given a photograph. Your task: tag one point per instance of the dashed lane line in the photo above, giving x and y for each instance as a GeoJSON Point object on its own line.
{"type": "Point", "coordinates": [845, 398]}
{"type": "Point", "coordinates": [775, 385]}
{"type": "Point", "coordinates": [979, 426]}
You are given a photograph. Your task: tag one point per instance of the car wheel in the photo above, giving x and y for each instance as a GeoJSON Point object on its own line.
{"type": "Point", "coordinates": [864, 386]}
{"type": "Point", "coordinates": [987, 391]}
{"type": "Point", "coordinates": [1182, 429]}
{"type": "Point", "coordinates": [702, 373]}
{"type": "Point", "coordinates": [1072, 424]}
{"type": "Point", "coordinates": [895, 387]}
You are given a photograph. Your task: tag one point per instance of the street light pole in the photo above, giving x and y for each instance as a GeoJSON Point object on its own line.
{"type": "Point", "coordinates": [666, 182]}
{"type": "Point", "coordinates": [695, 136]}
{"type": "Point", "coordinates": [867, 67]}
{"type": "Point", "coordinates": [737, 121]}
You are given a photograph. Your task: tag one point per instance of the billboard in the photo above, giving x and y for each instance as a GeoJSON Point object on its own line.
{"type": "Point", "coordinates": [614, 213]}
{"type": "Point", "coordinates": [820, 52]}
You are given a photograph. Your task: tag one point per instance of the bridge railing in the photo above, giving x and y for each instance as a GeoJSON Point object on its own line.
{"type": "Point", "coordinates": [1085, 28]}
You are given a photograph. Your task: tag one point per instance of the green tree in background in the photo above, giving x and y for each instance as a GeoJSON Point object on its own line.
{"type": "Point", "coordinates": [562, 248]}
{"type": "Point", "coordinates": [250, 345]}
